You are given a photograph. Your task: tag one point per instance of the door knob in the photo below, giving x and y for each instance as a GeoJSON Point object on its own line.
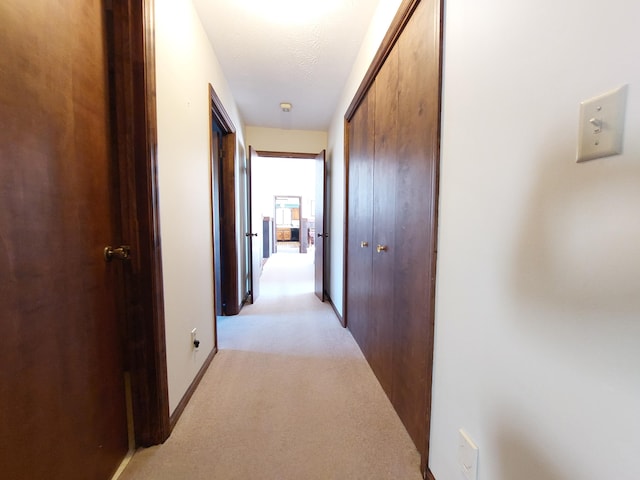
{"type": "Point", "coordinates": [123, 252]}
{"type": "Point", "coordinates": [250, 234]}
{"type": "Point", "coordinates": [320, 235]}
{"type": "Point", "coordinates": [364, 244]}
{"type": "Point", "coordinates": [382, 248]}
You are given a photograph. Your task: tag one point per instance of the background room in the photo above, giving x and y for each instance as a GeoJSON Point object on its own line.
{"type": "Point", "coordinates": [283, 191]}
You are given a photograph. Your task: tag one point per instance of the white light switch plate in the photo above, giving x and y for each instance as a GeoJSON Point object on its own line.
{"type": "Point", "coordinates": [602, 125]}
{"type": "Point", "coordinates": [467, 456]}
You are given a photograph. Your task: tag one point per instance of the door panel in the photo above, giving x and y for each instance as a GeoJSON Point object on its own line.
{"type": "Point", "coordinates": [360, 232]}
{"type": "Point", "coordinates": [416, 193]}
{"type": "Point", "coordinates": [320, 225]}
{"type": "Point", "coordinates": [256, 235]}
{"type": "Point", "coordinates": [61, 361]}
{"type": "Point", "coordinates": [384, 234]}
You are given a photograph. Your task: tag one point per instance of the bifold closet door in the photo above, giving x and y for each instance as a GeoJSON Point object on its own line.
{"type": "Point", "coordinates": [360, 208]}
{"type": "Point", "coordinates": [393, 167]}
{"type": "Point", "coordinates": [384, 208]}
{"type": "Point", "coordinates": [415, 222]}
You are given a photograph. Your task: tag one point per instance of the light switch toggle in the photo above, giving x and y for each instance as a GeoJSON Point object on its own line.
{"type": "Point", "coordinates": [597, 124]}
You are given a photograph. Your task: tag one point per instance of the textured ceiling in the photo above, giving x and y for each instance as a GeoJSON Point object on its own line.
{"type": "Point", "coordinates": [295, 51]}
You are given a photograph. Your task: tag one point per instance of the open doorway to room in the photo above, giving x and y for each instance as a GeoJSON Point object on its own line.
{"type": "Point", "coordinates": [292, 230]}
{"type": "Point", "coordinates": [285, 188]}
{"type": "Point", "coordinates": [284, 198]}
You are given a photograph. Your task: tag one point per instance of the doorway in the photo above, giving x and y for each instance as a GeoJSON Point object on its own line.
{"type": "Point", "coordinates": [223, 208]}
{"type": "Point", "coordinates": [285, 201]}
{"type": "Point", "coordinates": [292, 228]}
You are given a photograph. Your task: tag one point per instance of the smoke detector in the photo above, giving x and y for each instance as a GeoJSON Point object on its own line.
{"type": "Point", "coordinates": [286, 107]}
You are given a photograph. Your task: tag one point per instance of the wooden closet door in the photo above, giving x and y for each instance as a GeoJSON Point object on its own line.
{"type": "Point", "coordinates": [391, 317]}
{"type": "Point", "coordinates": [360, 217]}
{"type": "Point", "coordinates": [415, 222]}
{"type": "Point", "coordinates": [384, 222]}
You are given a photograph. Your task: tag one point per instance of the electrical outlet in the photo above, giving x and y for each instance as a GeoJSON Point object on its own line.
{"type": "Point", "coordinates": [195, 343]}
{"type": "Point", "coordinates": [467, 456]}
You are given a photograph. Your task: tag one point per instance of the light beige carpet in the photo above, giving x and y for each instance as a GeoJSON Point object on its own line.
{"type": "Point", "coordinates": [289, 396]}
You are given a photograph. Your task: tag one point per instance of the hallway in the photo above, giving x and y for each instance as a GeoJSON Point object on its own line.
{"type": "Point", "coordinates": [288, 396]}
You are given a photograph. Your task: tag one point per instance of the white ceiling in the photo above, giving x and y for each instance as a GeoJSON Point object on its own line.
{"type": "Point", "coordinates": [295, 51]}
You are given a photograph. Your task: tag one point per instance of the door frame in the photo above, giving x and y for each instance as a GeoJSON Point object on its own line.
{"type": "Point", "coordinates": [225, 184]}
{"type": "Point", "coordinates": [131, 38]}
{"type": "Point", "coordinates": [215, 165]}
{"type": "Point", "coordinates": [303, 156]}
{"type": "Point", "coordinates": [276, 154]}
{"type": "Point", "coordinates": [275, 221]}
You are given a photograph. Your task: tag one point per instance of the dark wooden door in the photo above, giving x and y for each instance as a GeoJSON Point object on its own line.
{"type": "Point", "coordinates": [384, 227]}
{"type": "Point", "coordinates": [62, 400]}
{"type": "Point", "coordinates": [255, 234]}
{"type": "Point", "coordinates": [320, 225]}
{"type": "Point", "coordinates": [415, 220]}
{"type": "Point", "coordinates": [360, 225]}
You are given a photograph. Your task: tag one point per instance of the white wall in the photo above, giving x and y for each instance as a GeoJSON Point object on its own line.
{"type": "Point", "coordinates": [281, 140]}
{"type": "Point", "coordinates": [185, 65]}
{"type": "Point", "coordinates": [283, 177]}
{"type": "Point", "coordinates": [538, 287]}
{"type": "Point", "coordinates": [335, 152]}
